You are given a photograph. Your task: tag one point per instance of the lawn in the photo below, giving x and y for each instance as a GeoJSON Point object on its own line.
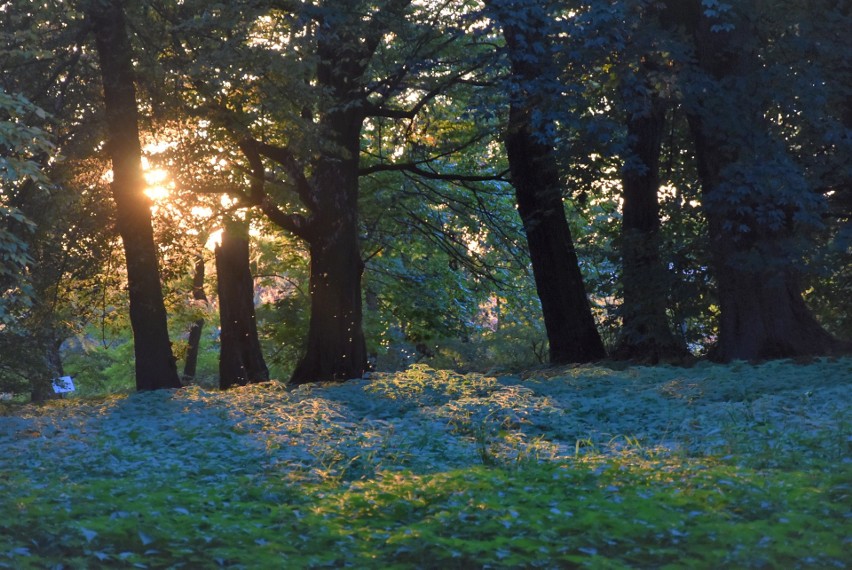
{"type": "Point", "coordinates": [713, 466]}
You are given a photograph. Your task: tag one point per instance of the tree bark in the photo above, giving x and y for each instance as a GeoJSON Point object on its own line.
{"type": "Point", "coordinates": [645, 332]}
{"type": "Point", "coordinates": [336, 348]}
{"type": "Point", "coordinates": [534, 173]}
{"type": "Point", "coordinates": [241, 358]}
{"type": "Point", "coordinates": [763, 314]}
{"type": "Point", "coordinates": [195, 329]}
{"type": "Point", "coordinates": [47, 346]}
{"type": "Point", "coordinates": [155, 363]}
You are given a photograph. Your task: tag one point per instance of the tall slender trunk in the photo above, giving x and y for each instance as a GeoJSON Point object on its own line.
{"type": "Point", "coordinates": [155, 363]}
{"type": "Point", "coordinates": [195, 329]}
{"type": "Point", "coordinates": [534, 172]}
{"type": "Point", "coordinates": [763, 314]}
{"type": "Point", "coordinates": [241, 358]}
{"type": "Point", "coordinates": [567, 315]}
{"type": "Point", "coordinates": [645, 332]}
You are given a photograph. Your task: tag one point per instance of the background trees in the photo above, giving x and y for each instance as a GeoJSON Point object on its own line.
{"type": "Point", "coordinates": [761, 209]}
{"type": "Point", "coordinates": [371, 134]}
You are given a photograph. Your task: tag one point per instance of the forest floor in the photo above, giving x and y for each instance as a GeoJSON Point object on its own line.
{"type": "Point", "coordinates": [712, 466]}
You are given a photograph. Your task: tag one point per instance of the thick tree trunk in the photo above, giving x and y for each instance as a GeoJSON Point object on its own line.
{"type": "Point", "coordinates": [763, 314]}
{"type": "Point", "coordinates": [195, 329]}
{"type": "Point", "coordinates": [155, 364]}
{"type": "Point", "coordinates": [336, 349]}
{"type": "Point", "coordinates": [240, 359]}
{"type": "Point", "coordinates": [645, 333]}
{"type": "Point", "coordinates": [565, 307]}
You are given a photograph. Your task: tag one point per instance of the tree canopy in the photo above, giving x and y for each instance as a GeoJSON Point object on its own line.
{"type": "Point", "coordinates": [503, 183]}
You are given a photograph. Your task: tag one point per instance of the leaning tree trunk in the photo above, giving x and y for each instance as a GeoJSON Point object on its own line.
{"type": "Point", "coordinates": [645, 332]}
{"type": "Point", "coordinates": [565, 307]}
{"type": "Point", "coordinates": [240, 359]}
{"type": "Point", "coordinates": [568, 319]}
{"type": "Point", "coordinates": [195, 329]}
{"type": "Point", "coordinates": [155, 364]}
{"type": "Point", "coordinates": [336, 348]}
{"type": "Point", "coordinates": [763, 314]}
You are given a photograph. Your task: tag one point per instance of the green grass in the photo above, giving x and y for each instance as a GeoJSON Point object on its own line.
{"type": "Point", "coordinates": [709, 467]}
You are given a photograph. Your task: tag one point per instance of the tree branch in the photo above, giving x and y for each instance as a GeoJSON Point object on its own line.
{"type": "Point", "coordinates": [373, 110]}
{"type": "Point", "coordinates": [285, 157]}
{"type": "Point", "coordinates": [413, 168]}
{"type": "Point", "coordinates": [293, 223]}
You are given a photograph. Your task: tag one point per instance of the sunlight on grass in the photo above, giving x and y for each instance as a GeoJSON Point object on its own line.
{"type": "Point", "coordinates": [713, 466]}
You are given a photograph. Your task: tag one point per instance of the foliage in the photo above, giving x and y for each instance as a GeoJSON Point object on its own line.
{"type": "Point", "coordinates": [446, 278]}
{"type": "Point", "coordinates": [23, 151]}
{"type": "Point", "coordinates": [745, 466]}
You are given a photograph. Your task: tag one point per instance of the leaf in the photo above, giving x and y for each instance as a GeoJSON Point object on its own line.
{"type": "Point", "coordinates": [88, 534]}
{"type": "Point", "coordinates": [146, 540]}
{"type": "Point", "coordinates": [21, 551]}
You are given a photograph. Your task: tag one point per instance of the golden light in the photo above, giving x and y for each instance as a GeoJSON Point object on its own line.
{"type": "Point", "coordinates": [157, 180]}
{"type": "Point", "coordinates": [201, 211]}
{"type": "Point", "coordinates": [214, 240]}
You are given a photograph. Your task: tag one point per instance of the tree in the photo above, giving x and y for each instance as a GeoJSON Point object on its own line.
{"type": "Point", "coordinates": [155, 364]}
{"type": "Point", "coordinates": [60, 220]}
{"type": "Point", "coordinates": [336, 349]}
{"type": "Point", "coordinates": [756, 200]}
{"type": "Point", "coordinates": [197, 326]}
{"type": "Point", "coordinates": [299, 125]}
{"type": "Point", "coordinates": [240, 358]}
{"type": "Point", "coordinates": [22, 149]}
{"type": "Point", "coordinates": [568, 319]}
{"type": "Point", "coordinates": [645, 332]}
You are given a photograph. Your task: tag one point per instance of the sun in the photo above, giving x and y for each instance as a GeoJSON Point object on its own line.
{"type": "Point", "coordinates": [158, 186]}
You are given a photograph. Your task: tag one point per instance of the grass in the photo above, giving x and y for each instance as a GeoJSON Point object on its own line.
{"type": "Point", "coordinates": [739, 466]}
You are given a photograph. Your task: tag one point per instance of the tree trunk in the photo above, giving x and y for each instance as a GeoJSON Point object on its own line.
{"type": "Point", "coordinates": [336, 348]}
{"type": "Point", "coordinates": [47, 346]}
{"type": "Point", "coordinates": [240, 358]}
{"type": "Point", "coordinates": [195, 329]}
{"type": "Point", "coordinates": [645, 333]}
{"type": "Point", "coordinates": [568, 319]}
{"type": "Point", "coordinates": [763, 314]}
{"type": "Point", "coordinates": [567, 315]}
{"type": "Point", "coordinates": [155, 364]}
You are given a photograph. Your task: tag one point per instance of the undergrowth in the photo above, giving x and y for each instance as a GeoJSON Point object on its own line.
{"type": "Point", "coordinates": [740, 466]}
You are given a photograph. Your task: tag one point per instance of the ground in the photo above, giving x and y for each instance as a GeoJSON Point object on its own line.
{"type": "Point", "coordinates": [709, 466]}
